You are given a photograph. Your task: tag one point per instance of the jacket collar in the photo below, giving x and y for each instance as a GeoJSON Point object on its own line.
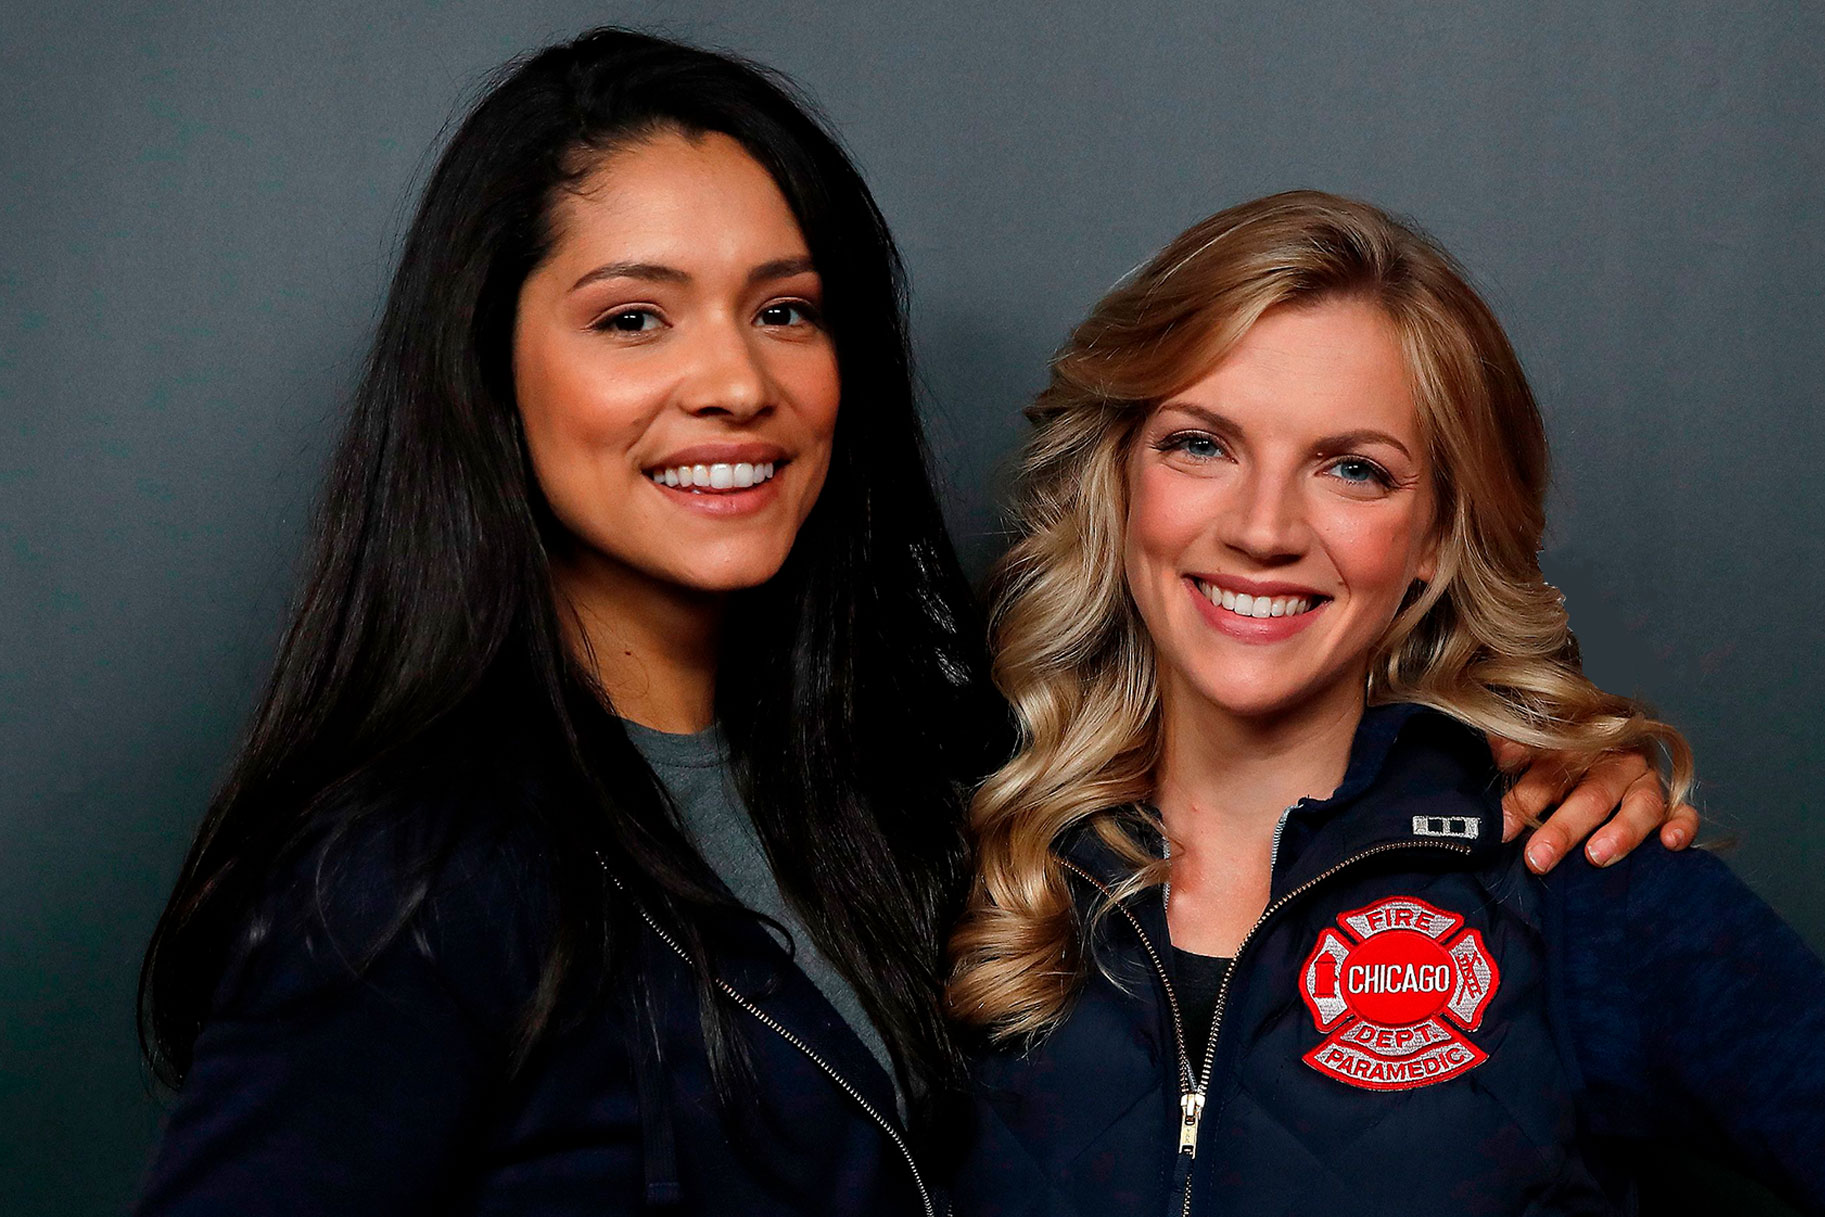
{"type": "Point", "coordinates": [747, 956]}
{"type": "Point", "coordinates": [1415, 778]}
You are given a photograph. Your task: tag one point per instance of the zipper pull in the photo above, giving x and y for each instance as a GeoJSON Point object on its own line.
{"type": "Point", "coordinates": [1192, 1108]}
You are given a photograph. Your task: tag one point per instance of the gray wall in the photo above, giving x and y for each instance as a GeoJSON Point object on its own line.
{"type": "Point", "coordinates": [198, 214]}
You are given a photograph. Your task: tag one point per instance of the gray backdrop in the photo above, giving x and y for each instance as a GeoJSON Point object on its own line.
{"type": "Point", "coordinates": [200, 206]}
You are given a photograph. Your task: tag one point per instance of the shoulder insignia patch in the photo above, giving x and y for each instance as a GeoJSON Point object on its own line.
{"type": "Point", "coordinates": [1396, 992]}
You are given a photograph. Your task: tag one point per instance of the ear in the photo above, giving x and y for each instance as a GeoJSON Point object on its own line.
{"type": "Point", "coordinates": [1428, 562]}
{"type": "Point", "coordinates": [1427, 566]}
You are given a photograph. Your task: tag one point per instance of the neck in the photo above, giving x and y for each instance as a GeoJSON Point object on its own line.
{"type": "Point", "coordinates": [1227, 772]}
{"type": "Point", "coordinates": [651, 646]}
{"type": "Point", "coordinates": [1222, 782]}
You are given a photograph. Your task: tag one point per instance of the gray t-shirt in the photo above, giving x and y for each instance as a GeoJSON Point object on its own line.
{"type": "Point", "coordinates": [695, 771]}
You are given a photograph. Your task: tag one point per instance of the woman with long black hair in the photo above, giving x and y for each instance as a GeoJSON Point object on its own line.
{"type": "Point", "coordinates": [594, 843]}
{"type": "Point", "coordinates": [435, 796]}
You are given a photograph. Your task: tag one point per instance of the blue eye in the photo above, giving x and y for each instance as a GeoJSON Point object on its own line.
{"type": "Point", "coordinates": [1361, 471]}
{"type": "Point", "coordinates": [1194, 444]}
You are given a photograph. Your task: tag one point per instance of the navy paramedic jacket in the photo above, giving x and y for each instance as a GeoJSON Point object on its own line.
{"type": "Point", "coordinates": [315, 1093]}
{"type": "Point", "coordinates": [1417, 1026]}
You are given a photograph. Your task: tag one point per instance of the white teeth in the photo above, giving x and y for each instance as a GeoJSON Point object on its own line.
{"type": "Point", "coordinates": [720, 476]}
{"type": "Point", "coordinates": [1244, 605]}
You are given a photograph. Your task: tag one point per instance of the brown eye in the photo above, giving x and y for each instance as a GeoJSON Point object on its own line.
{"type": "Point", "coordinates": [629, 321]}
{"type": "Point", "coordinates": [787, 312]}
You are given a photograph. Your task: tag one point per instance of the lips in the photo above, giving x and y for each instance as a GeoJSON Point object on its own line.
{"type": "Point", "coordinates": [715, 478]}
{"type": "Point", "coordinates": [1261, 603]}
{"type": "Point", "coordinates": [1263, 613]}
{"type": "Point", "coordinates": [716, 469]}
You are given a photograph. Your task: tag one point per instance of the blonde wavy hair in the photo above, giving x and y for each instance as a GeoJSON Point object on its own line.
{"type": "Point", "coordinates": [1485, 641]}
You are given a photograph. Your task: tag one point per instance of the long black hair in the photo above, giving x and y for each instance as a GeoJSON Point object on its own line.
{"type": "Point", "coordinates": [854, 699]}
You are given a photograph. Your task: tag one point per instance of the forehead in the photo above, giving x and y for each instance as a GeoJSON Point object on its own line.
{"type": "Point", "coordinates": [1332, 366]}
{"type": "Point", "coordinates": [673, 194]}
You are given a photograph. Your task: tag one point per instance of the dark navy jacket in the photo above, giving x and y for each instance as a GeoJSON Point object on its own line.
{"type": "Point", "coordinates": [314, 1092]}
{"type": "Point", "coordinates": [1418, 1025]}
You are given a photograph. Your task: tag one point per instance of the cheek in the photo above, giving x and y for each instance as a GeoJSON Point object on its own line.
{"type": "Point", "coordinates": [565, 394]}
{"type": "Point", "coordinates": [814, 383]}
{"type": "Point", "coordinates": [811, 383]}
{"type": "Point", "coordinates": [1377, 554]}
{"type": "Point", "coordinates": [1166, 515]}
{"type": "Point", "coordinates": [581, 421]}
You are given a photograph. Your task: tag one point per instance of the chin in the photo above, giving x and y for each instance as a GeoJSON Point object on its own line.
{"type": "Point", "coordinates": [738, 574]}
{"type": "Point", "coordinates": [1266, 695]}
{"type": "Point", "coordinates": [1254, 706]}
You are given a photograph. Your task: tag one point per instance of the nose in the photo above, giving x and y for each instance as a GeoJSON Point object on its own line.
{"type": "Point", "coordinates": [725, 375]}
{"type": "Point", "coordinates": [1265, 521]}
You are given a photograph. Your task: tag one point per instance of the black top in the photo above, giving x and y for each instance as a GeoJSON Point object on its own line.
{"type": "Point", "coordinates": [320, 1087]}
{"type": "Point", "coordinates": [1196, 979]}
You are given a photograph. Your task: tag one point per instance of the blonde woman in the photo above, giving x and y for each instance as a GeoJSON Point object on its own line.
{"type": "Point", "coordinates": [1244, 936]}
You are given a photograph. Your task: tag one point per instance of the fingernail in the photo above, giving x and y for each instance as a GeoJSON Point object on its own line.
{"type": "Point", "coordinates": [1676, 838]}
{"type": "Point", "coordinates": [1540, 855]}
{"type": "Point", "coordinates": [1511, 824]}
{"type": "Point", "coordinates": [1601, 853]}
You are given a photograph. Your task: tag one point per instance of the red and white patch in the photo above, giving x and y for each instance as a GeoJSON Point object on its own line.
{"type": "Point", "coordinates": [1389, 989]}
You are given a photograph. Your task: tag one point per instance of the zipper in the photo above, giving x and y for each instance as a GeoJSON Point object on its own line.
{"type": "Point", "coordinates": [1193, 1090]}
{"type": "Point", "coordinates": [785, 1033]}
{"type": "Point", "coordinates": [1172, 999]}
{"type": "Point", "coordinates": [1193, 1111]}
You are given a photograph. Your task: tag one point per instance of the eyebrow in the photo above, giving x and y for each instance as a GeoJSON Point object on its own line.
{"type": "Point", "coordinates": [650, 271]}
{"type": "Point", "coordinates": [656, 272]}
{"type": "Point", "coordinates": [1329, 443]}
{"type": "Point", "coordinates": [782, 268]}
{"type": "Point", "coordinates": [1365, 435]}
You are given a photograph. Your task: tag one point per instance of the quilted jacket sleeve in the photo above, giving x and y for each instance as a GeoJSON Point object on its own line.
{"type": "Point", "coordinates": [1697, 1014]}
{"type": "Point", "coordinates": [317, 1088]}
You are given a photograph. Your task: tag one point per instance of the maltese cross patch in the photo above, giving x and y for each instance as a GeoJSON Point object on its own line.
{"type": "Point", "coordinates": [1396, 992]}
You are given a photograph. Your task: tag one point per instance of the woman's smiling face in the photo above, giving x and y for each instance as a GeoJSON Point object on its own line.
{"type": "Point", "coordinates": [675, 378]}
{"type": "Point", "coordinates": [1279, 509]}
